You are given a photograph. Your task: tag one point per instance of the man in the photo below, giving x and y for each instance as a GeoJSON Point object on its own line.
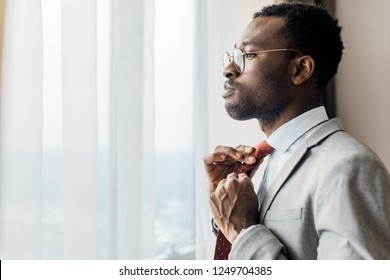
{"type": "Point", "coordinates": [324, 194]}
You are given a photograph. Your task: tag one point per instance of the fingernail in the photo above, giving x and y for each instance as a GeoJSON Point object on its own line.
{"type": "Point", "coordinates": [251, 158]}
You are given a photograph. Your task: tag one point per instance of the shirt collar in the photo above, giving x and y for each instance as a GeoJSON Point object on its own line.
{"type": "Point", "coordinates": [282, 138]}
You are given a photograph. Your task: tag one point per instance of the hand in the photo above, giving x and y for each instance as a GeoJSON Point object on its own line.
{"type": "Point", "coordinates": [226, 160]}
{"type": "Point", "coordinates": [234, 204]}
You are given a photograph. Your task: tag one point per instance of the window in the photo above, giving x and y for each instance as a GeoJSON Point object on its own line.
{"type": "Point", "coordinates": [175, 222]}
{"type": "Point", "coordinates": [174, 168]}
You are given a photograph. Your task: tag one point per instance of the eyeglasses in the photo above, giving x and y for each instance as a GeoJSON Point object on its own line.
{"type": "Point", "coordinates": [238, 57]}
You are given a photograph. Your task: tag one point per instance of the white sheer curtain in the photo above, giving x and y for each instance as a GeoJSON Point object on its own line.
{"type": "Point", "coordinates": [79, 113]}
{"type": "Point", "coordinates": [77, 156]}
{"type": "Point", "coordinates": [134, 139]}
{"type": "Point", "coordinates": [21, 131]}
{"type": "Point", "coordinates": [77, 151]}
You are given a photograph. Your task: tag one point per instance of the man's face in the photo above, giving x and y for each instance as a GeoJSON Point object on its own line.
{"type": "Point", "coordinates": [262, 90]}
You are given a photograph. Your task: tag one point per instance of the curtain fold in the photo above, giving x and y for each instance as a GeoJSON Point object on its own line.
{"type": "Point", "coordinates": [204, 237]}
{"type": "Point", "coordinates": [133, 135]}
{"type": "Point", "coordinates": [21, 131]}
{"type": "Point", "coordinates": [79, 107]}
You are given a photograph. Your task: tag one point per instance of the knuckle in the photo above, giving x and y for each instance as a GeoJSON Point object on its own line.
{"type": "Point", "coordinates": [240, 147]}
{"type": "Point", "coordinates": [219, 147]}
{"type": "Point", "coordinates": [223, 149]}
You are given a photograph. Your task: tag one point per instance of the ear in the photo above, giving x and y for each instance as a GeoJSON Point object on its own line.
{"type": "Point", "coordinates": [303, 70]}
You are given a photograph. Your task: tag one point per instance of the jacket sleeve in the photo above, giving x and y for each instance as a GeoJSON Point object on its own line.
{"type": "Point", "coordinates": [257, 243]}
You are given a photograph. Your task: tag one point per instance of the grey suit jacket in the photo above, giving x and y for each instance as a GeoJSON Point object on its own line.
{"type": "Point", "coordinates": [330, 201]}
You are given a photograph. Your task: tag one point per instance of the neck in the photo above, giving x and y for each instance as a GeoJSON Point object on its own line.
{"type": "Point", "coordinates": [269, 126]}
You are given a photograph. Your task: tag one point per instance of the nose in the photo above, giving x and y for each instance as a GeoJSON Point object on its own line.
{"type": "Point", "coordinates": [230, 71]}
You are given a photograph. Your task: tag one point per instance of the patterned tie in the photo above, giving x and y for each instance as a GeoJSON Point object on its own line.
{"type": "Point", "coordinates": [223, 246]}
{"type": "Point", "coordinates": [262, 150]}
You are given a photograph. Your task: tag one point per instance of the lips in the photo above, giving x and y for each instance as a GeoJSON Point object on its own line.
{"type": "Point", "coordinates": [229, 90]}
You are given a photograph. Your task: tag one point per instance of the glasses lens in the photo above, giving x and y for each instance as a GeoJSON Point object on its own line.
{"type": "Point", "coordinates": [238, 59]}
{"type": "Point", "coordinates": [227, 59]}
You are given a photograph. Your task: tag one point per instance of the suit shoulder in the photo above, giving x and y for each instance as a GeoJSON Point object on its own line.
{"type": "Point", "coordinates": [332, 138]}
{"type": "Point", "coordinates": [344, 143]}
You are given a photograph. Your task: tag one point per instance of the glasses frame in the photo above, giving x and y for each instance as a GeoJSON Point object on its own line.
{"type": "Point", "coordinates": [230, 58]}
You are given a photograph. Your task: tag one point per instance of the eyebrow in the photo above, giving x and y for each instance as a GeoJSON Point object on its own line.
{"type": "Point", "coordinates": [245, 43]}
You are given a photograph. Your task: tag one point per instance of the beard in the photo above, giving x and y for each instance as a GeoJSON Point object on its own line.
{"type": "Point", "coordinates": [265, 102]}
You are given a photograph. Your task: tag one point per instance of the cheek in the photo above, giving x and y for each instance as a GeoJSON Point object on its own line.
{"type": "Point", "coordinates": [258, 83]}
{"type": "Point", "coordinates": [262, 79]}
{"type": "Point", "coordinates": [252, 76]}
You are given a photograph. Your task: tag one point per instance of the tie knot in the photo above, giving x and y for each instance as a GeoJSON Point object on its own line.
{"type": "Point", "coordinates": [262, 149]}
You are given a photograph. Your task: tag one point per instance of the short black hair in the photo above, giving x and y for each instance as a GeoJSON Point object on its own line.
{"type": "Point", "coordinates": [313, 32]}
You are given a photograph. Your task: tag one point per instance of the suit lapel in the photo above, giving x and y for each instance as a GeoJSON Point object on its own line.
{"type": "Point", "coordinates": [317, 134]}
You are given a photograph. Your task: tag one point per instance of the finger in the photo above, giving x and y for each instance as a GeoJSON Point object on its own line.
{"type": "Point", "coordinates": [213, 158]}
{"type": "Point", "coordinates": [248, 158]}
{"type": "Point", "coordinates": [212, 187]}
{"type": "Point", "coordinates": [232, 176]}
{"type": "Point", "coordinates": [242, 175]}
{"type": "Point", "coordinates": [220, 187]}
{"type": "Point", "coordinates": [245, 149]}
{"type": "Point", "coordinates": [245, 180]}
{"type": "Point", "coordinates": [234, 183]}
{"type": "Point", "coordinates": [229, 152]}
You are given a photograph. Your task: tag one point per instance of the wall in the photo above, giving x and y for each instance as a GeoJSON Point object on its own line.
{"type": "Point", "coordinates": [363, 81]}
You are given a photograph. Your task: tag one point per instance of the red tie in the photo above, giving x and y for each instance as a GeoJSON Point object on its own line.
{"type": "Point", "coordinates": [223, 246]}
{"type": "Point", "coordinates": [262, 150]}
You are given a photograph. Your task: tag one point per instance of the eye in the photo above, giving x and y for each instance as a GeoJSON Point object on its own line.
{"type": "Point", "coordinates": [250, 55]}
